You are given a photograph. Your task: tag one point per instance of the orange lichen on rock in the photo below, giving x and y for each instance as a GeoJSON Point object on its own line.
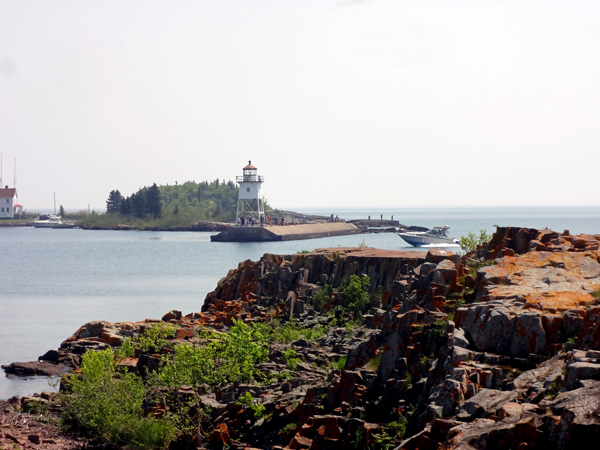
{"type": "Point", "coordinates": [559, 300]}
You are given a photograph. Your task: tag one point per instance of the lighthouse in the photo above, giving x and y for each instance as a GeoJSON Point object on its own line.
{"type": "Point", "coordinates": [250, 202]}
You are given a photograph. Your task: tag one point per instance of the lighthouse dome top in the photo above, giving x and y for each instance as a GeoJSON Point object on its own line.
{"type": "Point", "coordinates": [250, 175]}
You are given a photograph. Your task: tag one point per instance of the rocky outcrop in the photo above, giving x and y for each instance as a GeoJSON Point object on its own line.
{"type": "Point", "coordinates": [454, 353]}
{"type": "Point", "coordinates": [274, 276]}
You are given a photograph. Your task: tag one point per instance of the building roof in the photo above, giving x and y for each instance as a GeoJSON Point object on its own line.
{"type": "Point", "coordinates": [10, 193]}
{"type": "Point", "coordinates": [250, 166]}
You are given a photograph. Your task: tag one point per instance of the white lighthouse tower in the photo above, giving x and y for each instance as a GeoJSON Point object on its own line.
{"type": "Point", "coordinates": [250, 202]}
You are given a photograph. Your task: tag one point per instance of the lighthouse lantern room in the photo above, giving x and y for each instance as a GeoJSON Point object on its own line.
{"type": "Point", "coordinates": [250, 202]}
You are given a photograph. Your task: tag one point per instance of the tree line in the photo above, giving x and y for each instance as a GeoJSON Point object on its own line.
{"type": "Point", "coordinates": [144, 203]}
{"type": "Point", "coordinates": [215, 200]}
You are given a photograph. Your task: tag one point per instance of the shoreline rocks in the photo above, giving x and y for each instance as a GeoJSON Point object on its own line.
{"type": "Point", "coordinates": [454, 353]}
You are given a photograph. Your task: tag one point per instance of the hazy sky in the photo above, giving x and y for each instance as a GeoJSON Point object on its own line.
{"type": "Point", "coordinates": [338, 103]}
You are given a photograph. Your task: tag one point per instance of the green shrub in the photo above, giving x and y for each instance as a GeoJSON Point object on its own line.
{"type": "Point", "coordinates": [227, 357]}
{"type": "Point", "coordinates": [125, 350]}
{"type": "Point", "coordinates": [321, 297]}
{"type": "Point", "coordinates": [341, 363]}
{"type": "Point", "coordinates": [398, 428]}
{"type": "Point", "coordinates": [247, 401]}
{"type": "Point", "coordinates": [154, 338]}
{"type": "Point", "coordinates": [107, 406]}
{"type": "Point", "coordinates": [470, 242]}
{"type": "Point", "coordinates": [357, 293]}
{"type": "Point", "coordinates": [36, 407]}
{"type": "Point", "coordinates": [291, 359]}
{"type": "Point", "coordinates": [292, 331]}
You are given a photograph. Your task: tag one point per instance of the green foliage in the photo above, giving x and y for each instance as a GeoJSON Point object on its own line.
{"type": "Point", "coordinates": [383, 441]}
{"type": "Point", "coordinates": [169, 206]}
{"type": "Point", "coordinates": [247, 401]}
{"type": "Point", "coordinates": [125, 350]}
{"type": "Point", "coordinates": [321, 297]}
{"type": "Point", "coordinates": [36, 407]}
{"type": "Point", "coordinates": [398, 428]}
{"type": "Point", "coordinates": [408, 379]}
{"type": "Point", "coordinates": [154, 339]}
{"type": "Point", "coordinates": [341, 363]}
{"type": "Point", "coordinates": [227, 357]}
{"type": "Point", "coordinates": [363, 244]}
{"type": "Point", "coordinates": [357, 293]}
{"type": "Point", "coordinates": [108, 407]}
{"type": "Point", "coordinates": [291, 359]}
{"type": "Point", "coordinates": [283, 376]}
{"type": "Point", "coordinates": [292, 331]}
{"type": "Point", "coordinates": [303, 251]}
{"type": "Point", "coordinates": [596, 294]}
{"type": "Point", "coordinates": [470, 242]}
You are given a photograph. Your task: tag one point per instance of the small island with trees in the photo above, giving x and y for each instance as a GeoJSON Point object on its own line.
{"type": "Point", "coordinates": [177, 206]}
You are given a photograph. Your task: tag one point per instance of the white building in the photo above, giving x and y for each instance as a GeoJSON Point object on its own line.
{"type": "Point", "coordinates": [8, 202]}
{"type": "Point", "coordinates": [250, 201]}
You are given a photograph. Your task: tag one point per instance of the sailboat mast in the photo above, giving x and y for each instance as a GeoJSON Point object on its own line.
{"type": "Point", "coordinates": [54, 202]}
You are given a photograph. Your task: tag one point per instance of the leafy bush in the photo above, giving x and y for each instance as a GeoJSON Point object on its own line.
{"type": "Point", "coordinates": [227, 357]}
{"type": "Point", "coordinates": [321, 297]}
{"type": "Point", "coordinates": [107, 406]}
{"type": "Point", "coordinates": [292, 331]}
{"type": "Point", "coordinates": [36, 407]}
{"type": "Point", "coordinates": [357, 293]}
{"type": "Point", "coordinates": [125, 350]}
{"type": "Point", "coordinates": [470, 242]}
{"type": "Point", "coordinates": [248, 401]}
{"type": "Point", "coordinates": [291, 359]}
{"type": "Point", "coordinates": [341, 363]}
{"type": "Point", "coordinates": [154, 339]}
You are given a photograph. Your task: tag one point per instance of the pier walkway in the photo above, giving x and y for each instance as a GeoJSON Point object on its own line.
{"type": "Point", "coordinates": [286, 232]}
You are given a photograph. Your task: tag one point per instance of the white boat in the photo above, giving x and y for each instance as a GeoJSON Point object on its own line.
{"type": "Point", "coordinates": [435, 236]}
{"type": "Point", "coordinates": [47, 221]}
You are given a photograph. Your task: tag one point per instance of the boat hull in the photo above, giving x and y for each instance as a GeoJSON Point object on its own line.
{"type": "Point", "coordinates": [420, 240]}
{"type": "Point", "coordinates": [45, 224]}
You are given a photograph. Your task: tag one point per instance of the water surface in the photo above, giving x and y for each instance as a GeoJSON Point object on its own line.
{"type": "Point", "coordinates": [53, 281]}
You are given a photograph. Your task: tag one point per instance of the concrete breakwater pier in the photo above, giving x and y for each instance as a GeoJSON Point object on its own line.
{"type": "Point", "coordinates": [285, 233]}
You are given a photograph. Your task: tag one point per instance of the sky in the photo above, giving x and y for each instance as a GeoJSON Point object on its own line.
{"type": "Point", "coordinates": [388, 103]}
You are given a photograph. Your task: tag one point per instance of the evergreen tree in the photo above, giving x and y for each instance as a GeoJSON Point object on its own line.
{"type": "Point", "coordinates": [138, 203]}
{"type": "Point", "coordinates": [126, 207]}
{"type": "Point", "coordinates": [113, 203]}
{"type": "Point", "coordinates": [153, 201]}
{"type": "Point", "coordinates": [61, 211]}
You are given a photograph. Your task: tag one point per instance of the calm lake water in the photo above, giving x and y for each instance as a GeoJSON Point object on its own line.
{"type": "Point", "coordinates": [54, 281]}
